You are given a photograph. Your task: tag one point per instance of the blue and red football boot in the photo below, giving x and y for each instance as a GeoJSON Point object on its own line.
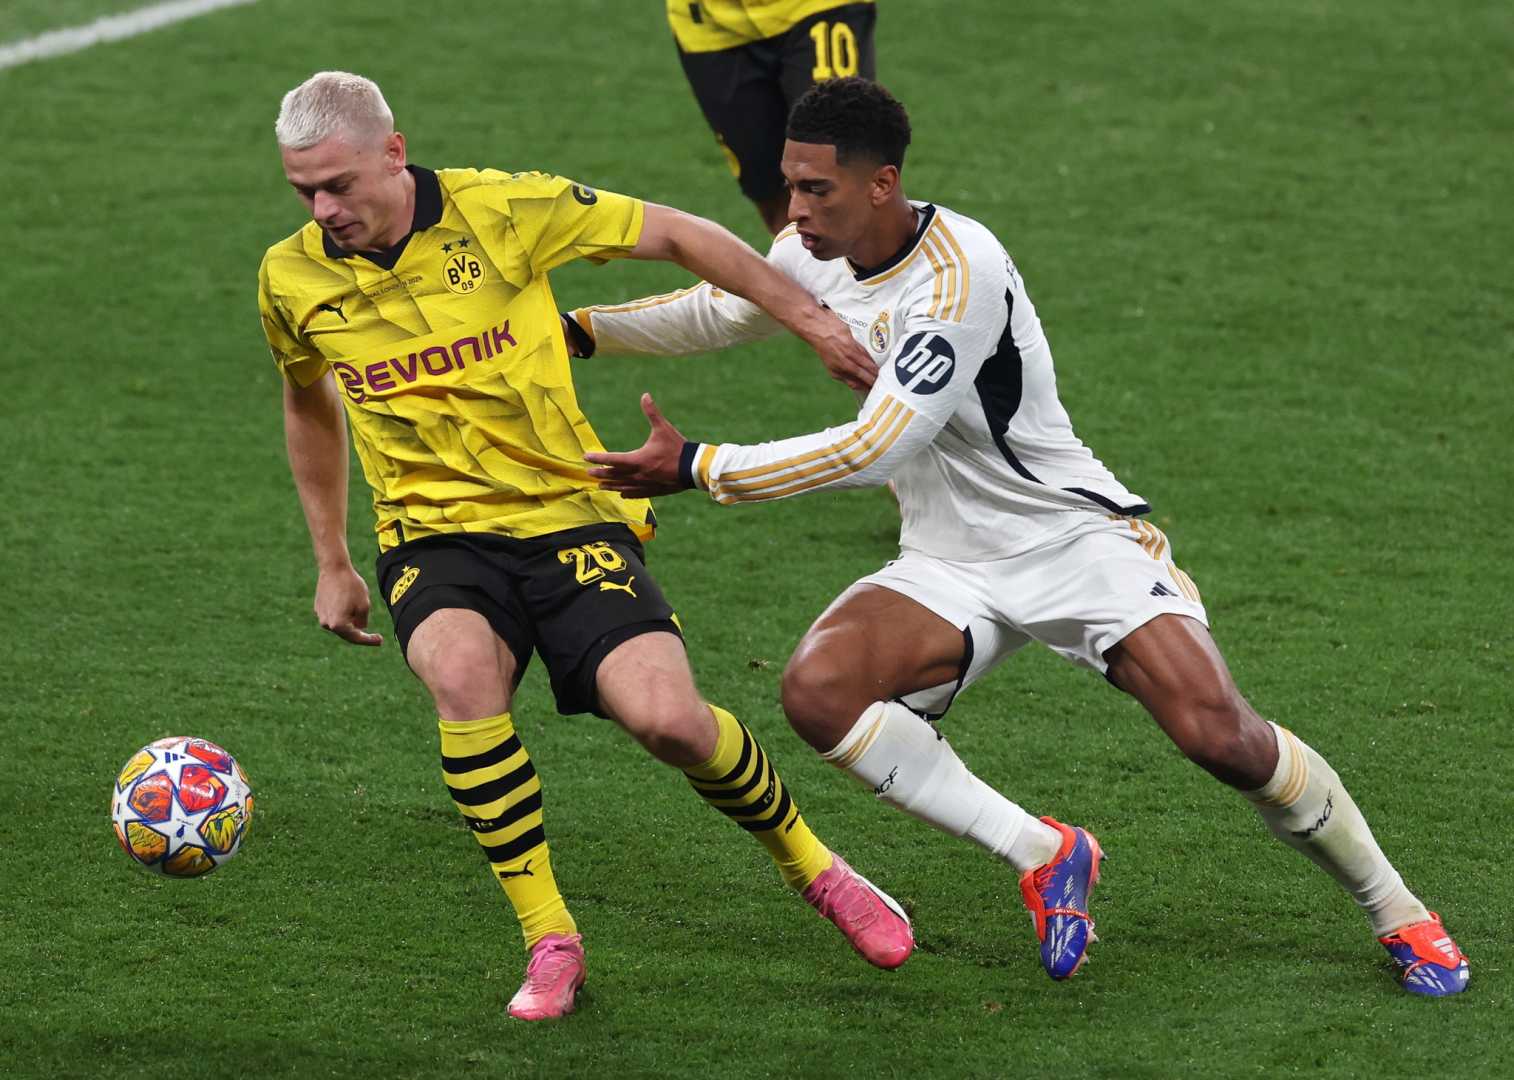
{"type": "Point", "coordinates": [1057, 896]}
{"type": "Point", "coordinates": [1426, 959]}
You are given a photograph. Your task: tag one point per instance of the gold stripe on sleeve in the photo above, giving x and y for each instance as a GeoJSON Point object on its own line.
{"type": "Point", "coordinates": [953, 276]}
{"type": "Point", "coordinates": [806, 458]}
{"type": "Point", "coordinates": [934, 311]}
{"type": "Point", "coordinates": [961, 261]}
{"type": "Point", "coordinates": [816, 461]}
{"type": "Point", "coordinates": [817, 476]}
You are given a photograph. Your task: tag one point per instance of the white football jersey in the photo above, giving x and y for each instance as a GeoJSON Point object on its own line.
{"type": "Point", "coordinates": [964, 416]}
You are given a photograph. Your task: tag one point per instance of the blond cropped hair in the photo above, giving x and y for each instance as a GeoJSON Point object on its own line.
{"type": "Point", "coordinates": [332, 103]}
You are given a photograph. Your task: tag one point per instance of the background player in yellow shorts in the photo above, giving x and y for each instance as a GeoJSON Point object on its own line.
{"type": "Point", "coordinates": [748, 61]}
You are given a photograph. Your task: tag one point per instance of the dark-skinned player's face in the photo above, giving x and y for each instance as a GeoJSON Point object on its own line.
{"type": "Point", "coordinates": [832, 204]}
{"type": "Point", "coordinates": [350, 186]}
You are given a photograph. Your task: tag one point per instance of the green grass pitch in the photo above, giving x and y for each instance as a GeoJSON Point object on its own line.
{"type": "Point", "coordinates": [1270, 243]}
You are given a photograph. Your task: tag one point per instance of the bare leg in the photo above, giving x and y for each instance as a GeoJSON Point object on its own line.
{"type": "Point", "coordinates": [871, 644]}
{"type": "Point", "coordinates": [1172, 666]}
{"type": "Point", "coordinates": [468, 670]}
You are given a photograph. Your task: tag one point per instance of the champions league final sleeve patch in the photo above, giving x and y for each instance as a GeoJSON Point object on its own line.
{"type": "Point", "coordinates": [925, 363]}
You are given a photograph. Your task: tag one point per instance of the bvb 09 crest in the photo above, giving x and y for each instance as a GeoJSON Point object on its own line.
{"type": "Point", "coordinates": [463, 273]}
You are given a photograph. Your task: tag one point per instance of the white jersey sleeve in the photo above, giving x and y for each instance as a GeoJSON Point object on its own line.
{"type": "Point", "coordinates": [943, 338]}
{"type": "Point", "coordinates": [693, 320]}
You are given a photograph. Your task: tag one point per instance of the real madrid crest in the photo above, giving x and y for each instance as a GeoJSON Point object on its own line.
{"type": "Point", "coordinates": [878, 334]}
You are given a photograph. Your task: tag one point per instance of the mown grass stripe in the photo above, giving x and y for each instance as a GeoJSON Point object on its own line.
{"type": "Point", "coordinates": [72, 39]}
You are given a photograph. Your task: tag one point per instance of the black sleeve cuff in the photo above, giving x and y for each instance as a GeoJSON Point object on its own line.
{"type": "Point", "coordinates": [578, 337]}
{"type": "Point", "coordinates": [686, 464]}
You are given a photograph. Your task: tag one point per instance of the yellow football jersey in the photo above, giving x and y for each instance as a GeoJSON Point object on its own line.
{"type": "Point", "coordinates": [449, 353]}
{"type": "Point", "coordinates": [708, 25]}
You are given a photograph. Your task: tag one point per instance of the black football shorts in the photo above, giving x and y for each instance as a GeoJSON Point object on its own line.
{"type": "Point", "coordinates": [571, 596]}
{"type": "Point", "coordinates": [746, 92]}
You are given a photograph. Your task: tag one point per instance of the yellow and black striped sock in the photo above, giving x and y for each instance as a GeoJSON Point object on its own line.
{"type": "Point", "coordinates": [496, 789]}
{"type": "Point", "coordinates": [742, 784]}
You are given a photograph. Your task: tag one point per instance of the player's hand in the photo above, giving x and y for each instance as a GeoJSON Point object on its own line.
{"type": "Point", "coordinates": [652, 470]}
{"type": "Point", "coordinates": [845, 359]}
{"type": "Point", "coordinates": [342, 603]}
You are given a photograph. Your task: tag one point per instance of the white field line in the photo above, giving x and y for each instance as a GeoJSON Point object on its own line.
{"type": "Point", "coordinates": [109, 28]}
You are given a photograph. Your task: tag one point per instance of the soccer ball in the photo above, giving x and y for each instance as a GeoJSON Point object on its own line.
{"type": "Point", "coordinates": [181, 806]}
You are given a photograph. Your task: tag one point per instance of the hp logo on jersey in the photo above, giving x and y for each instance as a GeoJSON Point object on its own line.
{"type": "Point", "coordinates": [925, 364]}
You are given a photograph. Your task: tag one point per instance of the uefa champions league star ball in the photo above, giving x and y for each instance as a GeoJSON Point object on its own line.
{"type": "Point", "coordinates": [181, 806]}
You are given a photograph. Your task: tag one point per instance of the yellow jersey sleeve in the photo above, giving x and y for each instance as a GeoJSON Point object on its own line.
{"type": "Point", "coordinates": [556, 221]}
{"type": "Point", "coordinates": [297, 360]}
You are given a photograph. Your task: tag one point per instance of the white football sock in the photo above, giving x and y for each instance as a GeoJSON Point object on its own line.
{"type": "Point", "coordinates": [1307, 808]}
{"type": "Point", "coordinates": [906, 762]}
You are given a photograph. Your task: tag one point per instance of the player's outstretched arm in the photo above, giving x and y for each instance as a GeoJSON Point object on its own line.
{"type": "Point", "coordinates": [719, 257]}
{"type": "Point", "coordinates": [862, 453]}
{"type": "Point", "coordinates": [700, 319]}
{"type": "Point", "coordinates": [918, 390]}
{"type": "Point", "coordinates": [315, 433]}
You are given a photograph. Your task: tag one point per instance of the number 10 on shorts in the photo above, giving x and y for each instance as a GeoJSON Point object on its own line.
{"type": "Point", "coordinates": [835, 50]}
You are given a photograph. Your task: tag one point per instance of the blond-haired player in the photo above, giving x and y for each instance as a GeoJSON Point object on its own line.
{"type": "Point", "coordinates": [417, 302]}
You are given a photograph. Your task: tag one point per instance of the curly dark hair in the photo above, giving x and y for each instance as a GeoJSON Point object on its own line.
{"type": "Point", "coordinates": [856, 116]}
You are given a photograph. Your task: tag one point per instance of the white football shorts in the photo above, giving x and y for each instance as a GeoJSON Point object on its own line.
{"type": "Point", "coordinates": [1080, 595]}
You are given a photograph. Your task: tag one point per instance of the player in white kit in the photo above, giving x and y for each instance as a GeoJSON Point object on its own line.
{"type": "Point", "coordinates": [1013, 531]}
